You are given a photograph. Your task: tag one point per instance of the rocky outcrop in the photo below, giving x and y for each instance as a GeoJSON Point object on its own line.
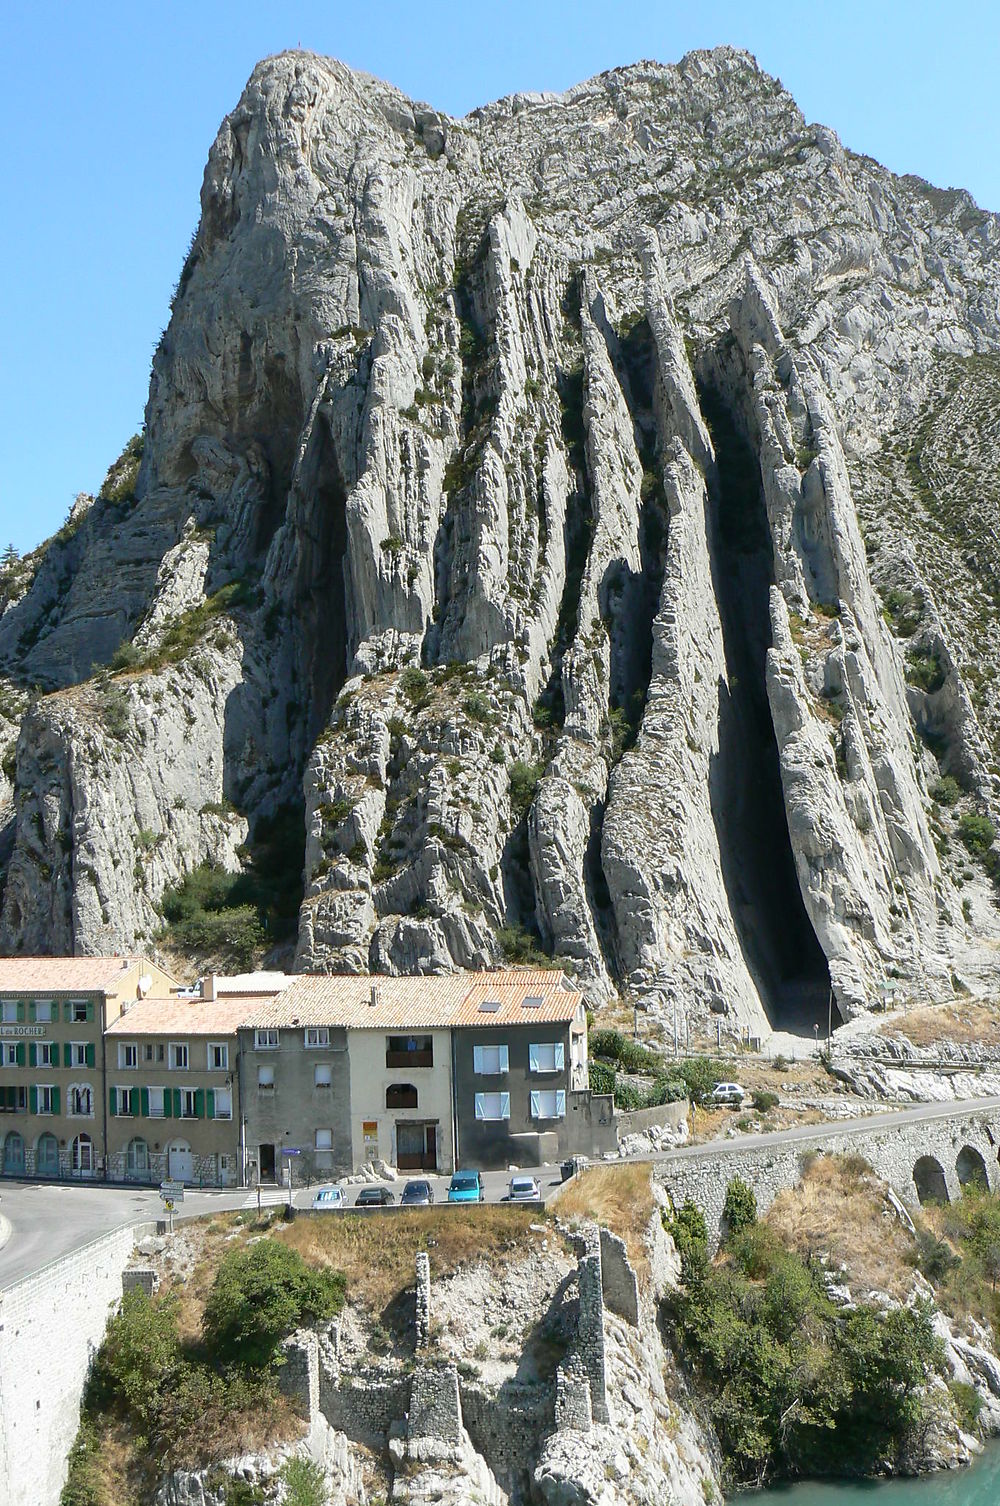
{"type": "Point", "coordinates": [511, 490]}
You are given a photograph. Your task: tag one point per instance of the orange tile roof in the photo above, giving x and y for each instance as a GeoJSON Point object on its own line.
{"type": "Point", "coordinates": [418, 1003]}
{"type": "Point", "coordinates": [63, 974]}
{"type": "Point", "coordinates": [184, 1016]}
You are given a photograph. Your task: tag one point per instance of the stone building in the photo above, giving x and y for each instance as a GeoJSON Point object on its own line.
{"type": "Point", "coordinates": [173, 1090]}
{"type": "Point", "coordinates": [53, 1015]}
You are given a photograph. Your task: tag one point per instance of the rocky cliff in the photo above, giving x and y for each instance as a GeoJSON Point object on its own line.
{"type": "Point", "coordinates": [587, 508]}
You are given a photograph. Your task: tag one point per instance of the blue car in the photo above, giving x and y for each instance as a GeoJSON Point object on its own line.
{"type": "Point", "coordinates": [467, 1187]}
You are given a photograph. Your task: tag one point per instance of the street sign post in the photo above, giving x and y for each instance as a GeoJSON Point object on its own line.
{"type": "Point", "coordinates": [172, 1193]}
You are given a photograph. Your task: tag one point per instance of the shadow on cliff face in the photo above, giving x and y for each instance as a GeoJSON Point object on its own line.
{"type": "Point", "coordinates": [748, 807]}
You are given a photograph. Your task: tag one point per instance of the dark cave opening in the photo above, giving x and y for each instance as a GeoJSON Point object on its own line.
{"type": "Point", "coordinates": [321, 587]}
{"type": "Point", "coordinates": [748, 808]}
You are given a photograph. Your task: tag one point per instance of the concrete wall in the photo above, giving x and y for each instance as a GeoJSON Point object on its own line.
{"type": "Point", "coordinates": [892, 1150]}
{"type": "Point", "coordinates": [291, 1113]}
{"type": "Point", "coordinates": [638, 1120]}
{"type": "Point", "coordinates": [51, 1325]}
{"type": "Point", "coordinates": [370, 1078]}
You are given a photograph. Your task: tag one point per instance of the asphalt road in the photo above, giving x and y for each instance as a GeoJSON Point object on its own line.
{"type": "Point", "coordinates": [47, 1221]}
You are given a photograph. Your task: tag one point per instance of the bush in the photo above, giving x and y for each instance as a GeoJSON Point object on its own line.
{"type": "Point", "coordinates": [414, 684]}
{"type": "Point", "coordinates": [739, 1211]}
{"type": "Point", "coordinates": [477, 707]}
{"type": "Point", "coordinates": [689, 1233]}
{"type": "Point", "coordinates": [946, 791]}
{"type": "Point", "coordinates": [977, 832]}
{"type": "Point", "coordinates": [83, 1480]}
{"type": "Point", "coordinates": [523, 779]}
{"type": "Point", "coordinates": [629, 1054]}
{"type": "Point", "coordinates": [700, 1074]}
{"type": "Point", "coordinates": [126, 656]}
{"type": "Point", "coordinates": [137, 1363]}
{"type": "Point", "coordinates": [968, 1404]}
{"type": "Point", "coordinates": [259, 1295]}
{"type": "Point", "coordinates": [763, 1101]}
{"type": "Point", "coordinates": [602, 1078]}
{"type": "Point", "coordinates": [925, 671]}
{"type": "Point", "coordinates": [304, 1482]}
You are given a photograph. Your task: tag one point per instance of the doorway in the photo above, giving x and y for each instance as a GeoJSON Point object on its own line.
{"type": "Point", "coordinates": [180, 1161]}
{"type": "Point", "coordinates": [13, 1155]}
{"type": "Point", "coordinates": [416, 1146]}
{"type": "Point", "coordinates": [47, 1156]}
{"type": "Point", "coordinates": [265, 1163]}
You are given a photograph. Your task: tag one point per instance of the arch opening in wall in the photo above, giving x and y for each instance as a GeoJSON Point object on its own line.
{"type": "Point", "coordinates": [929, 1180]}
{"type": "Point", "coordinates": [401, 1095]}
{"type": "Point", "coordinates": [47, 1155]}
{"type": "Point", "coordinates": [137, 1160]}
{"type": "Point", "coordinates": [82, 1162]}
{"type": "Point", "coordinates": [971, 1168]}
{"type": "Point", "coordinates": [13, 1154]}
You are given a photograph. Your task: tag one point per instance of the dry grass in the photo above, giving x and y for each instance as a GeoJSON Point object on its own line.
{"type": "Point", "coordinates": [961, 1022]}
{"type": "Point", "coordinates": [839, 1210]}
{"type": "Point", "coordinates": [620, 1197]}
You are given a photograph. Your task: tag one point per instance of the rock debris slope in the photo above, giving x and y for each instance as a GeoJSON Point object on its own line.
{"type": "Point", "coordinates": [589, 506]}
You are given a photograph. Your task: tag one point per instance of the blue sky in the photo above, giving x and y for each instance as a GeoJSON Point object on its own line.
{"type": "Point", "coordinates": [108, 110]}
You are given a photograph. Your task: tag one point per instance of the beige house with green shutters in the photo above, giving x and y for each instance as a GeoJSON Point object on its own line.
{"type": "Point", "coordinates": [53, 1014]}
{"type": "Point", "coordinates": [172, 1091]}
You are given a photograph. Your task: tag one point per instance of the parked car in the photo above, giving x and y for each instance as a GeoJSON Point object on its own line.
{"type": "Point", "coordinates": [374, 1197]}
{"type": "Point", "coordinates": [329, 1199]}
{"type": "Point", "coordinates": [727, 1093]}
{"type": "Point", "coordinates": [524, 1190]}
{"type": "Point", "coordinates": [467, 1187]}
{"type": "Point", "coordinates": [417, 1195]}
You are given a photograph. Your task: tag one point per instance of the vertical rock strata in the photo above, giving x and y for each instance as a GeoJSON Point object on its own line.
{"type": "Point", "coordinates": [500, 495]}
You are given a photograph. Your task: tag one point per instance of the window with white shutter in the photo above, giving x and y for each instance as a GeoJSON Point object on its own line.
{"type": "Point", "coordinates": [490, 1061]}
{"type": "Point", "coordinates": [492, 1106]}
{"type": "Point", "coordinates": [546, 1056]}
{"type": "Point", "coordinates": [548, 1104]}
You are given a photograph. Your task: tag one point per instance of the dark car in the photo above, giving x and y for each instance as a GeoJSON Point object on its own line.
{"type": "Point", "coordinates": [374, 1197]}
{"type": "Point", "coordinates": [417, 1195]}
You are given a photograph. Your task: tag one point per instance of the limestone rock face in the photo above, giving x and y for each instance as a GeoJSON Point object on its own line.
{"type": "Point", "coordinates": [581, 516]}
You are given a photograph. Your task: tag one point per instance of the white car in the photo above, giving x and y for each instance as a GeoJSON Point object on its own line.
{"type": "Point", "coordinates": [523, 1190]}
{"type": "Point", "coordinates": [329, 1199]}
{"type": "Point", "coordinates": [728, 1092]}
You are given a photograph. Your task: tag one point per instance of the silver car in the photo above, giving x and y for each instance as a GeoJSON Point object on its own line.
{"type": "Point", "coordinates": [524, 1190]}
{"type": "Point", "coordinates": [329, 1199]}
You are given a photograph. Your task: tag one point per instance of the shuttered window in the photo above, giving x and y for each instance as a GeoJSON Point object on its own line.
{"type": "Point", "coordinates": [548, 1105]}
{"type": "Point", "coordinates": [492, 1106]}
{"type": "Point", "coordinates": [547, 1056]}
{"type": "Point", "coordinates": [490, 1061]}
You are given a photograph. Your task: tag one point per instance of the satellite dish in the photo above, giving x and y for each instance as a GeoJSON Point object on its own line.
{"type": "Point", "coordinates": [144, 985]}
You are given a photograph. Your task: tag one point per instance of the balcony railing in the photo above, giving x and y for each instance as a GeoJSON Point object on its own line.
{"type": "Point", "coordinates": [409, 1058]}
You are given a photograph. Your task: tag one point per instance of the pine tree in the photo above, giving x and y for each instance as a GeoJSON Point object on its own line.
{"type": "Point", "coordinates": [9, 558]}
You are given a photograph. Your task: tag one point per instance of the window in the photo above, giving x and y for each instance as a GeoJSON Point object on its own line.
{"type": "Point", "coordinates": [47, 1099]}
{"type": "Point", "coordinates": [81, 1100]}
{"type": "Point", "coordinates": [10, 1056]}
{"type": "Point", "coordinates": [547, 1057]}
{"type": "Point", "coordinates": [492, 1105]}
{"type": "Point", "coordinates": [43, 1011]}
{"type": "Point", "coordinates": [128, 1055]}
{"type": "Point", "coordinates": [178, 1055]}
{"type": "Point", "coordinates": [490, 1061]}
{"type": "Point", "coordinates": [161, 1054]}
{"type": "Point", "coordinates": [265, 1040]}
{"type": "Point", "coordinates": [323, 1075]}
{"type": "Point", "coordinates": [409, 1051]}
{"type": "Point", "coordinates": [549, 1104]}
{"type": "Point", "coordinates": [13, 1100]}
{"type": "Point", "coordinates": [401, 1095]}
{"type": "Point", "coordinates": [317, 1035]}
{"type": "Point", "coordinates": [80, 1012]}
{"type": "Point", "coordinates": [10, 1011]}
{"type": "Point", "coordinates": [324, 1139]}
{"type": "Point", "coordinates": [125, 1102]}
{"type": "Point", "coordinates": [265, 1079]}
{"type": "Point", "coordinates": [189, 1103]}
{"type": "Point", "coordinates": [155, 1097]}
{"type": "Point", "coordinates": [147, 1051]}
{"type": "Point", "coordinates": [48, 1054]}
{"type": "Point", "coordinates": [223, 1104]}
{"type": "Point", "coordinates": [78, 1054]}
{"type": "Point", "coordinates": [218, 1056]}
{"type": "Point", "coordinates": [83, 1154]}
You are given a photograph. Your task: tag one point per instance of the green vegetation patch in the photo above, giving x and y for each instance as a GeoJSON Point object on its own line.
{"type": "Point", "coordinates": [794, 1385]}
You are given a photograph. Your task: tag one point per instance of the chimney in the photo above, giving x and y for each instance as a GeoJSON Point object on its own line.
{"type": "Point", "coordinates": [208, 987]}
{"type": "Point", "coordinates": [373, 1001]}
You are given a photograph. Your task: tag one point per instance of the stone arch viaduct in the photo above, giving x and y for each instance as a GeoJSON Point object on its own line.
{"type": "Point", "coordinates": [929, 1151]}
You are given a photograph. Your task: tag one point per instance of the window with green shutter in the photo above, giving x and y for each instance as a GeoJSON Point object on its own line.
{"type": "Point", "coordinates": [67, 1054]}
{"type": "Point", "coordinates": [67, 1012]}
{"type": "Point", "coordinates": [90, 1053]}
{"type": "Point", "coordinates": [112, 1101]}
{"type": "Point", "coordinates": [31, 1009]}
{"type": "Point", "coordinates": [20, 1011]}
{"type": "Point", "coordinates": [32, 1055]}
{"type": "Point", "coordinates": [32, 1099]}
{"type": "Point", "coordinates": [55, 1101]}
{"type": "Point", "coordinates": [90, 1011]}
{"type": "Point", "coordinates": [144, 1102]}
{"type": "Point", "coordinates": [199, 1103]}
{"type": "Point", "coordinates": [19, 1053]}
{"type": "Point", "coordinates": [176, 1095]}
{"type": "Point", "coordinates": [167, 1104]}
{"type": "Point", "coordinates": [210, 1103]}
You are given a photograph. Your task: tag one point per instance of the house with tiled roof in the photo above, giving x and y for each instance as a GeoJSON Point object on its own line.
{"type": "Point", "coordinates": [54, 1012]}
{"type": "Point", "coordinates": [424, 1073]}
